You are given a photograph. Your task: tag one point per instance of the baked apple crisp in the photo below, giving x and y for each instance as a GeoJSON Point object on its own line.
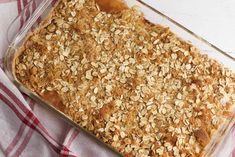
{"type": "Point", "coordinates": [134, 84]}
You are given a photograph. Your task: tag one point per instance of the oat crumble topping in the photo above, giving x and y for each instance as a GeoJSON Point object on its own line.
{"type": "Point", "coordinates": [133, 84]}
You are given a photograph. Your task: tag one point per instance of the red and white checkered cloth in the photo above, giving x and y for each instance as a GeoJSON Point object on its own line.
{"type": "Point", "coordinates": [28, 130]}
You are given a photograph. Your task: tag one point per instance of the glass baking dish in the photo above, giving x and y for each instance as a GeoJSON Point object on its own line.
{"type": "Point", "coordinates": [27, 22]}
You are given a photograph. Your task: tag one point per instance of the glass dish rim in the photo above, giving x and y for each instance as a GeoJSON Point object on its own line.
{"type": "Point", "coordinates": [61, 114]}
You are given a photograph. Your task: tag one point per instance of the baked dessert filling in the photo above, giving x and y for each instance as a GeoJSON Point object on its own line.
{"type": "Point", "coordinates": [134, 84]}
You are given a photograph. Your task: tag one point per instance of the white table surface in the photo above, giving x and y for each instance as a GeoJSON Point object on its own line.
{"type": "Point", "coordinates": [214, 20]}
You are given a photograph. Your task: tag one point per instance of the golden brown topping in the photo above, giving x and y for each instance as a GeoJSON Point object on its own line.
{"type": "Point", "coordinates": [54, 99]}
{"type": "Point", "coordinates": [133, 84]}
{"type": "Point", "coordinates": [111, 6]}
{"type": "Point", "coordinates": [202, 136]}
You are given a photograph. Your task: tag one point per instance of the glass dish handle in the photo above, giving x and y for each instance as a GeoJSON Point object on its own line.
{"type": "Point", "coordinates": [26, 18]}
{"type": "Point", "coordinates": [19, 21]}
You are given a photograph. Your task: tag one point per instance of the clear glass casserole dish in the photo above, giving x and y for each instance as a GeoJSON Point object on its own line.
{"type": "Point", "coordinates": [18, 32]}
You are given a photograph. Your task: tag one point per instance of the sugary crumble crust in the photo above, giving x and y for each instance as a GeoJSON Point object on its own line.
{"type": "Point", "coordinates": [133, 84]}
